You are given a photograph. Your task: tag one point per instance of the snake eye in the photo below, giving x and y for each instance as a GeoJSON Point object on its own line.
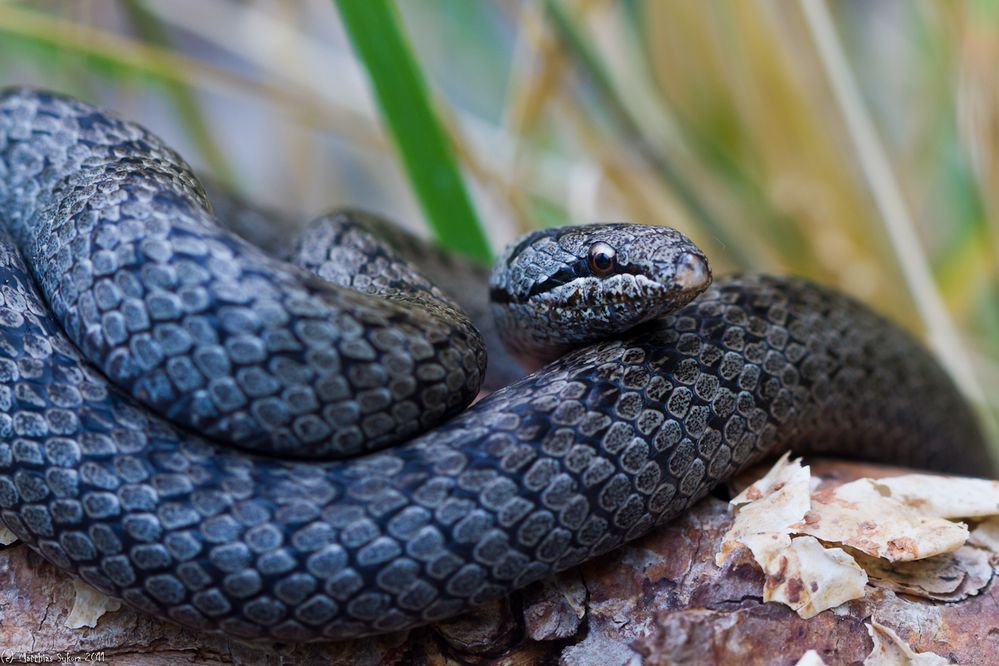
{"type": "Point", "coordinates": [602, 258]}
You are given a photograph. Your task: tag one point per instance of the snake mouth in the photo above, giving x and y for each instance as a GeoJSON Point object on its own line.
{"type": "Point", "coordinates": [693, 278]}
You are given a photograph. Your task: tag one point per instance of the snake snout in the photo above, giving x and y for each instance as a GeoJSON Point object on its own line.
{"type": "Point", "coordinates": [692, 272]}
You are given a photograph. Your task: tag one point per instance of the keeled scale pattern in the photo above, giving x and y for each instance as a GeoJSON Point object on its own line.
{"type": "Point", "coordinates": [326, 250]}
{"type": "Point", "coordinates": [197, 324]}
{"type": "Point", "coordinates": [566, 464]}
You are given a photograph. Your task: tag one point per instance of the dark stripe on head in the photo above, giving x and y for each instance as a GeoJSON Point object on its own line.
{"type": "Point", "coordinates": [578, 269]}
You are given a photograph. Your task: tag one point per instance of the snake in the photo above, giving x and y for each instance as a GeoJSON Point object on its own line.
{"type": "Point", "coordinates": [279, 446]}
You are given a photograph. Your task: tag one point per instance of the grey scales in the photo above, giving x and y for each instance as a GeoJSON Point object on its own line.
{"type": "Point", "coordinates": [139, 342]}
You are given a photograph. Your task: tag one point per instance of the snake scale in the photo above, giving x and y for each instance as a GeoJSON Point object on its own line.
{"type": "Point", "coordinates": [139, 341]}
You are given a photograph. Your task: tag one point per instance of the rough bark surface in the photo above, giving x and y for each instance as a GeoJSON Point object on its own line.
{"type": "Point", "coordinates": [660, 600]}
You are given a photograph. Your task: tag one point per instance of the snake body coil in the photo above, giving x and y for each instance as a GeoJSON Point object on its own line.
{"type": "Point", "coordinates": [201, 328]}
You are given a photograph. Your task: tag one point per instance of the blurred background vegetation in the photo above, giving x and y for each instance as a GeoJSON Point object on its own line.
{"type": "Point", "coordinates": [854, 142]}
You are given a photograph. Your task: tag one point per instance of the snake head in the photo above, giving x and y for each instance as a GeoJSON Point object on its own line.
{"type": "Point", "coordinates": [556, 289]}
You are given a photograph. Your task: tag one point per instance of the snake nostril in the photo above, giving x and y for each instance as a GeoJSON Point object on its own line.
{"type": "Point", "coordinates": [691, 271]}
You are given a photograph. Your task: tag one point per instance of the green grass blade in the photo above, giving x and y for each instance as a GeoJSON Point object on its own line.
{"type": "Point", "coordinates": [375, 31]}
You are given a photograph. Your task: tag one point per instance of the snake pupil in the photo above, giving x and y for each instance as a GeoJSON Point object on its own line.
{"type": "Point", "coordinates": [602, 258]}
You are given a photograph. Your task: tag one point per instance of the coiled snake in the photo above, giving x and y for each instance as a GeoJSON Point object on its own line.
{"type": "Point", "coordinates": [139, 341]}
